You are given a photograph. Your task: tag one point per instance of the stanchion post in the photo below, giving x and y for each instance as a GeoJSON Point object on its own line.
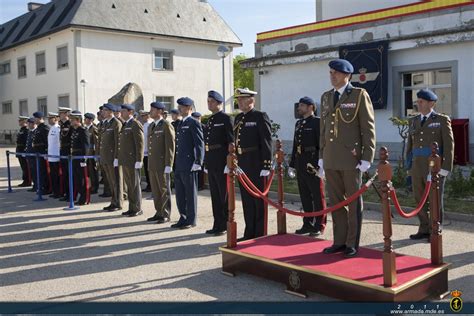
{"type": "Point", "coordinates": [71, 186]}
{"type": "Point", "coordinates": [384, 171]}
{"type": "Point", "coordinates": [39, 191]}
{"type": "Point", "coordinates": [281, 216]}
{"type": "Point", "coordinates": [436, 237]}
{"type": "Point", "coordinates": [231, 224]}
{"type": "Point", "coordinates": [8, 173]}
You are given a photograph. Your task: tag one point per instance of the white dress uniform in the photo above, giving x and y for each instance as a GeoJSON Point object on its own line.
{"type": "Point", "coordinates": [53, 142]}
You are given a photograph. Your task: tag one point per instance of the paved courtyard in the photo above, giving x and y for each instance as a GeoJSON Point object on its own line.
{"type": "Point", "coordinates": [49, 254]}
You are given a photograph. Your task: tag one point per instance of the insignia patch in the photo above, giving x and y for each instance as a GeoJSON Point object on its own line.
{"type": "Point", "coordinates": [221, 124]}
{"type": "Point", "coordinates": [128, 128]}
{"type": "Point", "coordinates": [248, 124]}
{"type": "Point", "coordinates": [348, 105]}
{"type": "Point", "coordinates": [434, 125]}
{"type": "Point", "coordinates": [308, 129]}
{"type": "Point", "coordinates": [185, 127]}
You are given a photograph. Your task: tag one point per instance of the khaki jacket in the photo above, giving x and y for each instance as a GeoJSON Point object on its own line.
{"type": "Point", "coordinates": [109, 139]}
{"type": "Point", "coordinates": [131, 144]}
{"type": "Point", "coordinates": [161, 146]}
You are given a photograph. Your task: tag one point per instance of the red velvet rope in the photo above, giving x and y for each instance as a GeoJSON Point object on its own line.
{"type": "Point", "coordinates": [255, 192]}
{"type": "Point", "coordinates": [426, 193]}
{"type": "Point", "coordinates": [269, 183]}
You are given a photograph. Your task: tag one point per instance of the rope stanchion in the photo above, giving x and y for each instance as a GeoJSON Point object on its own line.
{"type": "Point", "coordinates": [281, 216]}
{"type": "Point", "coordinates": [38, 180]}
{"type": "Point", "coordinates": [267, 183]}
{"type": "Point", "coordinates": [8, 173]}
{"type": "Point", "coordinates": [71, 187]}
{"type": "Point", "coordinates": [423, 200]}
{"type": "Point", "coordinates": [231, 223]}
{"type": "Point", "coordinates": [436, 237]}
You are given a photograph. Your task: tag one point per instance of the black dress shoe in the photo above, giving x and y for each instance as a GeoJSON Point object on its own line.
{"type": "Point", "coordinates": [163, 220]}
{"type": "Point", "coordinates": [220, 232]}
{"type": "Point", "coordinates": [315, 233]}
{"type": "Point", "coordinates": [177, 225]}
{"type": "Point", "coordinates": [104, 195]}
{"type": "Point", "coordinates": [187, 226]}
{"type": "Point", "coordinates": [64, 198]}
{"type": "Point", "coordinates": [418, 236]}
{"type": "Point", "coordinates": [154, 218]}
{"type": "Point", "coordinates": [113, 209]}
{"type": "Point", "coordinates": [108, 207]}
{"type": "Point", "coordinates": [304, 230]}
{"type": "Point", "coordinates": [350, 252]}
{"type": "Point", "coordinates": [127, 213]}
{"type": "Point", "coordinates": [334, 249]}
{"type": "Point", "coordinates": [242, 239]}
{"type": "Point", "coordinates": [82, 203]}
{"type": "Point", "coordinates": [211, 231]}
{"type": "Point", "coordinates": [133, 214]}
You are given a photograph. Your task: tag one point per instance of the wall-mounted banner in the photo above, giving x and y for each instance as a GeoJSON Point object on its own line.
{"type": "Point", "coordinates": [370, 69]}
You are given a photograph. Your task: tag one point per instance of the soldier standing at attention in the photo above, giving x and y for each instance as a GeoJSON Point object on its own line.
{"type": "Point", "coordinates": [253, 141]}
{"type": "Point", "coordinates": [21, 139]}
{"type": "Point", "coordinates": [79, 147]}
{"type": "Point", "coordinates": [161, 147]}
{"type": "Point", "coordinates": [130, 157]}
{"type": "Point", "coordinates": [303, 163]}
{"type": "Point", "coordinates": [218, 134]}
{"type": "Point", "coordinates": [54, 149]}
{"type": "Point", "coordinates": [108, 157]}
{"type": "Point", "coordinates": [92, 171]}
{"type": "Point", "coordinates": [347, 148]}
{"type": "Point", "coordinates": [424, 129]}
{"type": "Point", "coordinates": [101, 129]}
{"type": "Point", "coordinates": [40, 146]}
{"type": "Point", "coordinates": [189, 157]}
{"type": "Point", "coordinates": [146, 121]}
{"type": "Point", "coordinates": [65, 150]}
{"type": "Point", "coordinates": [29, 149]}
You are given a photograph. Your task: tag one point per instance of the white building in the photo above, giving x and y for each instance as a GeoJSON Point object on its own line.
{"type": "Point", "coordinates": [168, 48]}
{"type": "Point", "coordinates": [431, 44]}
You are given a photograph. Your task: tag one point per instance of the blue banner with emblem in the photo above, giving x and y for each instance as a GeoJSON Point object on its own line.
{"type": "Point", "coordinates": [370, 69]}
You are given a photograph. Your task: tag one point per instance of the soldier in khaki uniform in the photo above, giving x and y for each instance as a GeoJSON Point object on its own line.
{"type": "Point", "coordinates": [108, 156]}
{"type": "Point", "coordinates": [347, 148]}
{"type": "Point", "coordinates": [100, 131]}
{"type": "Point", "coordinates": [161, 147]}
{"type": "Point", "coordinates": [424, 129]}
{"type": "Point", "coordinates": [92, 151]}
{"type": "Point", "coordinates": [130, 157]}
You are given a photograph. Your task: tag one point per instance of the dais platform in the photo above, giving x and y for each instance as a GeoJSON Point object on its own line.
{"type": "Point", "coordinates": [298, 262]}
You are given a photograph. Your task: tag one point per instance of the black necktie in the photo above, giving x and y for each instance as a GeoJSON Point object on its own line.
{"type": "Point", "coordinates": [336, 97]}
{"type": "Point", "coordinates": [423, 120]}
{"type": "Point", "coordinates": [152, 126]}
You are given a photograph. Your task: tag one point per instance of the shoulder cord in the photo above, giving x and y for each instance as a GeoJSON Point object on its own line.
{"type": "Point", "coordinates": [339, 114]}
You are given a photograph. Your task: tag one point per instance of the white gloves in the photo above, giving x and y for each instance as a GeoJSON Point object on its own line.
{"type": "Point", "coordinates": [83, 164]}
{"type": "Point", "coordinates": [321, 169]}
{"type": "Point", "coordinates": [443, 173]}
{"type": "Point", "coordinates": [115, 162]}
{"type": "Point", "coordinates": [320, 164]}
{"type": "Point", "coordinates": [264, 173]}
{"type": "Point", "coordinates": [363, 166]}
{"type": "Point", "coordinates": [226, 169]}
{"type": "Point", "coordinates": [205, 170]}
{"type": "Point", "coordinates": [291, 172]}
{"type": "Point", "coordinates": [138, 165]}
{"type": "Point", "coordinates": [195, 167]}
{"type": "Point", "coordinates": [168, 169]}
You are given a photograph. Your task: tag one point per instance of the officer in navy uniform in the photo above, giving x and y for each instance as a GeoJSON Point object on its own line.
{"type": "Point", "coordinates": [197, 116]}
{"type": "Point", "coordinates": [218, 134]}
{"type": "Point", "coordinates": [65, 149]}
{"type": "Point", "coordinates": [79, 147]}
{"type": "Point", "coordinates": [189, 159]}
{"type": "Point", "coordinates": [40, 145]}
{"type": "Point", "coordinates": [253, 141]}
{"type": "Point", "coordinates": [304, 164]}
{"type": "Point", "coordinates": [176, 120]}
{"type": "Point", "coordinates": [92, 171]}
{"type": "Point", "coordinates": [21, 139]}
{"type": "Point", "coordinates": [29, 149]}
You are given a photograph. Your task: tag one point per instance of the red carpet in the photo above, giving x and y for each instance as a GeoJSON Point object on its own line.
{"type": "Point", "coordinates": [307, 252]}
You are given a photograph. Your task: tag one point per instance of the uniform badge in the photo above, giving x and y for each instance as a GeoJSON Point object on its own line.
{"type": "Point", "coordinates": [220, 124]}
{"type": "Point", "coordinates": [456, 302]}
{"type": "Point", "coordinates": [348, 105]}
{"type": "Point", "coordinates": [249, 124]}
{"type": "Point", "coordinates": [207, 147]}
{"type": "Point", "coordinates": [434, 125]}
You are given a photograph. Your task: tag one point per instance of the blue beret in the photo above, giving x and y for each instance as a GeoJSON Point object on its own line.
{"type": "Point", "coordinates": [174, 111]}
{"type": "Point", "coordinates": [127, 107]}
{"type": "Point", "coordinates": [109, 106]}
{"type": "Point", "coordinates": [38, 114]}
{"type": "Point", "coordinates": [31, 120]}
{"type": "Point", "coordinates": [427, 94]}
{"type": "Point", "coordinates": [196, 114]}
{"type": "Point", "coordinates": [216, 96]}
{"type": "Point", "coordinates": [158, 105]}
{"type": "Point", "coordinates": [185, 101]}
{"type": "Point", "coordinates": [307, 101]}
{"type": "Point", "coordinates": [89, 116]}
{"type": "Point", "coordinates": [341, 65]}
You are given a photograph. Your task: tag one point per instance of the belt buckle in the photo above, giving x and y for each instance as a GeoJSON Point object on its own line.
{"type": "Point", "coordinates": [207, 147]}
{"type": "Point", "coordinates": [298, 149]}
{"type": "Point", "coordinates": [239, 151]}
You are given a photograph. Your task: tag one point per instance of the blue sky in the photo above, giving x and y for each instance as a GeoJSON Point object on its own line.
{"type": "Point", "coordinates": [245, 17]}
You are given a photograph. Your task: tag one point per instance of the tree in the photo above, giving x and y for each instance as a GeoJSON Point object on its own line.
{"type": "Point", "coordinates": [402, 125]}
{"type": "Point", "coordinates": [243, 78]}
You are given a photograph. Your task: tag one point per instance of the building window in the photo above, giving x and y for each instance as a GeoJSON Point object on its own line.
{"type": "Point", "coordinates": [43, 105]}
{"type": "Point", "coordinates": [167, 101]}
{"type": "Point", "coordinates": [62, 57]}
{"type": "Point", "coordinates": [22, 67]}
{"type": "Point", "coordinates": [7, 107]}
{"type": "Point", "coordinates": [5, 68]}
{"type": "Point", "coordinates": [163, 60]}
{"type": "Point", "coordinates": [63, 101]}
{"type": "Point", "coordinates": [437, 80]}
{"type": "Point", "coordinates": [40, 63]}
{"type": "Point", "coordinates": [24, 108]}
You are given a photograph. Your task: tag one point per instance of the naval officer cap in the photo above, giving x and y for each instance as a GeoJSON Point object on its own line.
{"type": "Point", "coordinates": [216, 96]}
{"type": "Point", "coordinates": [196, 114]}
{"type": "Point", "coordinates": [23, 118]}
{"type": "Point", "coordinates": [341, 65]}
{"type": "Point", "coordinates": [185, 101]}
{"type": "Point", "coordinates": [52, 114]}
{"type": "Point", "coordinates": [31, 120]}
{"type": "Point", "coordinates": [129, 107]}
{"type": "Point", "coordinates": [143, 112]}
{"type": "Point", "coordinates": [64, 109]}
{"type": "Point", "coordinates": [76, 114]}
{"type": "Point", "coordinates": [174, 111]}
{"type": "Point", "coordinates": [427, 94]}
{"type": "Point", "coordinates": [38, 114]}
{"type": "Point", "coordinates": [307, 101]}
{"type": "Point", "coordinates": [244, 92]}
{"type": "Point", "coordinates": [158, 105]}
{"type": "Point", "coordinates": [89, 116]}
